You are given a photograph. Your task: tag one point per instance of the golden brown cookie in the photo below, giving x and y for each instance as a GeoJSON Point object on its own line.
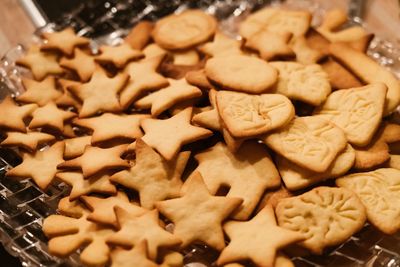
{"type": "Point", "coordinates": [118, 55]}
{"type": "Point", "coordinates": [74, 147]}
{"type": "Point", "coordinates": [29, 141]}
{"type": "Point", "coordinates": [13, 115]}
{"type": "Point", "coordinates": [39, 93]}
{"type": "Point", "coordinates": [82, 63]}
{"type": "Point", "coordinates": [339, 76]}
{"type": "Point", "coordinates": [64, 41]}
{"type": "Point", "coordinates": [136, 256]}
{"type": "Point", "coordinates": [271, 45]}
{"type": "Point", "coordinates": [140, 35]}
{"type": "Point", "coordinates": [50, 116]}
{"type": "Point", "coordinates": [221, 44]}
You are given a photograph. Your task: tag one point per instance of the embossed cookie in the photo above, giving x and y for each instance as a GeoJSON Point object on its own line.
{"type": "Point", "coordinates": [296, 177]}
{"type": "Point", "coordinates": [310, 142]}
{"type": "Point", "coordinates": [307, 83]}
{"type": "Point", "coordinates": [241, 73]}
{"type": "Point", "coordinates": [358, 111]}
{"type": "Point", "coordinates": [326, 216]}
{"type": "Point", "coordinates": [379, 192]}
{"type": "Point", "coordinates": [248, 115]}
{"type": "Point", "coordinates": [184, 30]}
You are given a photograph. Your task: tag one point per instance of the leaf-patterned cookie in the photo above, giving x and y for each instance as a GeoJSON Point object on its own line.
{"type": "Point", "coordinates": [326, 216]}
{"type": "Point", "coordinates": [358, 111]}
{"type": "Point", "coordinates": [247, 115]}
{"type": "Point", "coordinates": [310, 142]}
{"type": "Point", "coordinates": [379, 191]}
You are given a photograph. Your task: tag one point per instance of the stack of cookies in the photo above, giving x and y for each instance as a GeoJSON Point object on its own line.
{"type": "Point", "coordinates": [258, 147]}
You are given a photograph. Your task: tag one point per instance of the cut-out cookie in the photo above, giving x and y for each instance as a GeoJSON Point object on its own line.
{"type": "Point", "coordinates": [12, 115]}
{"type": "Point", "coordinates": [307, 83]}
{"type": "Point", "coordinates": [74, 147]}
{"type": "Point", "coordinates": [50, 116]}
{"type": "Point", "coordinates": [339, 76]}
{"type": "Point", "coordinates": [248, 173]}
{"type": "Point", "coordinates": [136, 256]}
{"type": "Point", "coordinates": [326, 216]}
{"type": "Point", "coordinates": [41, 166]}
{"type": "Point", "coordinates": [140, 34]}
{"type": "Point", "coordinates": [296, 177]}
{"type": "Point", "coordinates": [29, 141]}
{"type": "Point", "coordinates": [195, 205]}
{"type": "Point", "coordinates": [241, 73]}
{"type": "Point", "coordinates": [152, 176]}
{"type": "Point", "coordinates": [358, 111]}
{"type": "Point", "coordinates": [379, 191]}
{"type": "Point", "coordinates": [248, 115]}
{"type": "Point", "coordinates": [270, 44]}
{"type": "Point", "coordinates": [64, 41]}
{"type": "Point", "coordinates": [82, 63]}
{"type": "Point", "coordinates": [184, 30]}
{"type": "Point", "coordinates": [221, 45]}
{"type": "Point", "coordinates": [257, 240]}
{"type": "Point", "coordinates": [39, 93]}
{"type": "Point", "coordinates": [118, 55]}
{"type": "Point", "coordinates": [304, 53]}
{"type": "Point", "coordinates": [310, 142]}
{"type": "Point", "coordinates": [67, 99]}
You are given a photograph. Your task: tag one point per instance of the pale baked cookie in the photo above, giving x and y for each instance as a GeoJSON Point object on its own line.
{"type": "Point", "coordinates": [51, 117]}
{"type": "Point", "coordinates": [310, 142]}
{"type": "Point", "coordinates": [241, 73]}
{"type": "Point", "coordinates": [198, 78]}
{"type": "Point", "coordinates": [358, 111]}
{"type": "Point", "coordinates": [379, 191]}
{"type": "Point", "coordinates": [248, 173]}
{"type": "Point", "coordinates": [13, 115]}
{"type": "Point", "coordinates": [184, 30]}
{"type": "Point", "coordinates": [307, 83]}
{"type": "Point", "coordinates": [39, 93]}
{"type": "Point", "coordinates": [221, 44]}
{"type": "Point", "coordinates": [326, 216]}
{"type": "Point", "coordinates": [394, 162]}
{"type": "Point", "coordinates": [296, 177]}
{"type": "Point", "coordinates": [67, 99]}
{"type": "Point", "coordinates": [83, 64]}
{"type": "Point", "coordinates": [118, 55]}
{"type": "Point", "coordinates": [74, 147]}
{"type": "Point", "coordinates": [304, 53]}
{"type": "Point", "coordinates": [64, 41]}
{"type": "Point", "coordinates": [248, 115]}
{"type": "Point", "coordinates": [186, 58]}
{"type": "Point", "coordinates": [29, 141]}
{"type": "Point", "coordinates": [136, 256]}
{"type": "Point", "coordinates": [271, 45]}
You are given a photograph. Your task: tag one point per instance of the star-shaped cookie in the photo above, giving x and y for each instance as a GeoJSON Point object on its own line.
{"type": "Point", "coordinates": [96, 159]}
{"type": "Point", "coordinates": [111, 126]}
{"type": "Point", "coordinates": [134, 229]}
{"type": "Point", "coordinates": [64, 41]}
{"type": "Point", "coordinates": [197, 215]}
{"type": "Point", "coordinates": [28, 141]}
{"type": "Point", "coordinates": [163, 99]}
{"type": "Point", "coordinates": [67, 99]}
{"type": "Point", "coordinates": [50, 116]}
{"type": "Point", "coordinates": [103, 208]}
{"type": "Point", "coordinates": [271, 44]}
{"type": "Point", "coordinates": [100, 93]}
{"type": "Point", "coordinates": [41, 166]}
{"type": "Point", "coordinates": [81, 186]}
{"type": "Point", "coordinates": [144, 78]}
{"type": "Point", "coordinates": [40, 63]}
{"type": "Point", "coordinates": [257, 240]}
{"type": "Point", "coordinates": [136, 256]}
{"type": "Point", "coordinates": [12, 115]}
{"type": "Point", "coordinates": [74, 147]}
{"type": "Point", "coordinates": [118, 55]}
{"type": "Point", "coordinates": [167, 136]}
{"type": "Point", "coordinates": [83, 64]}
{"type": "Point", "coordinates": [221, 44]}
{"type": "Point", "coordinates": [39, 93]}
{"type": "Point", "coordinates": [152, 176]}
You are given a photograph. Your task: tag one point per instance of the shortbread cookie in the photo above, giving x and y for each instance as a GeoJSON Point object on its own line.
{"type": "Point", "coordinates": [339, 76]}
{"type": "Point", "coordinates": [248, 173]}
{"type": "Point", "coordinates": [343, 107]}
{"type": "Point", "coordinates": [234, 71]}
{"type": "Point", "coordinates": [74, 147]}
{"type": "Point", "coordinates": [271, 45]}
{"type": "Point", "coordinates": [40, 166]}
{"type": "Point", "coordinates": [154, 50]}
{"type": "Point", "coordinates": [310, 142]}
{"type": "Point", "coordinates": [82, 63]}
{"type": "Point", "coordinates": [370, 72]}
{"type": "Point", "coordinates": [103, 209]}
{"type": "Point", "coordinates": [81, 186]}
{"type": "Point", "coordinates": [64, 41]}
{"type": "Point", "coordinates": [29, 141]}
{"type": "Point", "coordinates": [167, 136]}
{"type": "Point", "coordinates": [272, 198]}
{"type": "Point", "coordinates": [100, 93]}
{"type": "Point", "coordinates": [152, 176]}
{"type": "Point", "coordinates": [140, 35]}
{"type": "Point", "coordinates": [184, 30]}
{"type": "Point", "coordinates": [197, 204]}
{"type": "Point", "coordinates": [394, 162]}
{"type": "Point", "coordinates": [221, 45]}
{"type": "Point", "coordinates": [70, 208]}
{"type": "Point", "coordinates": [67, 99]}
{"type": "Point", "coordinates": [304, 53]}
{"type": "Point", "coordinates": [66, 235]}
{"type": "Point", "coordinates": [144, 78]}
{"type": "Point", "coordinates": [296, 177]}
{"type": "Point", "coordinates": [13, 115]}
{"type": "Point", "coordinates": [96, 159]}
{"type": "Point", "coordinates": [39, 93]}
{"type": "Point", "coordinates": [326, 216]}
{"type": "Point", "coordinates": [118, 55]}
{"type": "Point", "coordinates": [110, 126]}
{"type": "Point", "coordinates": [136, 256]}
{"type": "Point", "coordinates": [170, 70]}
{"type": "Point", "coordinates": [248, 115]}
{"type": "Point", "coordinates": [317, 41]}
{"type": "Point", "coordinates": [379, 192]}
{"type": "Point", "coordinates": [147, 226]}
{"type": "Point", "coordinates": [307, 83]}
{"type": "Point", "coordinates": [50, 116]}
{"type": "Point", "coordinates": [163, 99]}
{"type": "Point", "coordinates": [40, 63]}
{"type": "Point", "coordinates": [198, 78]}
{"type": "Point", "coordinates": [258, 239]}
{"type": "Point", "coordinates": [186, 58]}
